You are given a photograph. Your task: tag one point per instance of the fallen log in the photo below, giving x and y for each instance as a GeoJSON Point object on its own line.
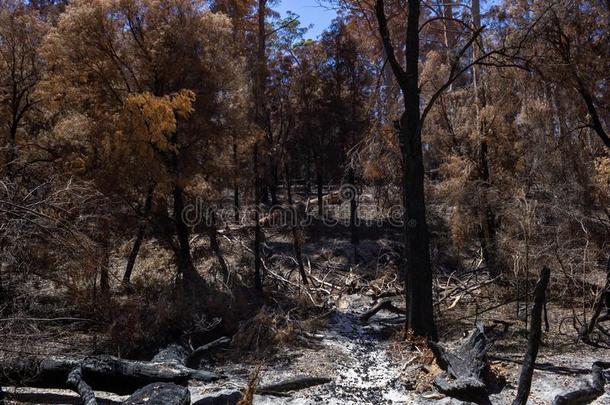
{"type": "Point", "coordinates": [384, 304]}
{"type": "Point", "coordinates": [31, 395]}
{"type": "Point", "coordinates": [463, 366]}
{"type": "Point", "coordinates": [107, 373]}
{"type": "Point", "coordinates": [76, 382]}
{"type": "Point", "coordinates": [533, 341]}
{"type": "Point", "coordinates": [592, 390]}
{"type": "Point", "coordinates": [294, 384]}
{"type": "Point", "coordinates": [160, 394]}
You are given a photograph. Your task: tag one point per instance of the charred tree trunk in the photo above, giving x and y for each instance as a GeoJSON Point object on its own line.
{"type": "Point", "coordinates": [274, 182]}
{"type": "Point", "coordinates": [288, 184]}
{"type": "Point", "coordinates": [257, 225]}
{"type": "Point", "coordinates": [183, 255]}
{"type": "Point", "coordinates": [104, 270]}
{"type": "Point", "coordinates": [12, 154]}
{"type": "Point", "coordinates": [308, 175]}
{"type": "Point", "coordinates": [416, 253]}
{"type": "Point", "coordinates": [533, 342]}
{"type": "Point", "coordinates": [320, 186]}
{"type": "Point", "coordinates": [600, 302]}
{"type": "Point", "coordinates": [353, 213]}
{"type": "Point", "coordinates": [235, 184]}
{"type": "Point", "coordinates": [215, 245]}
{"type": "Point", "coordinates": [596, 122]}
{"type": "Point", "coordinates": [486, 215]}
{"type": "Point", "coordinates": [133, 255]}
{"type": "Point", "coordinates": [419, 271]}
{"type": "Point", "coordinates": [297, 241]}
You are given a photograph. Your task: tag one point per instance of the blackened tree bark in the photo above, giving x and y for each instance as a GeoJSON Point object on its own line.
{"type": "Point", "coordinates": [257, 224]}
{"type": "Point", "coordinates": [487, 221]}
{"type": "Point", "coordinates": [320, 185]}
{"type": "Point", "coordinates": [104, 269]}
{"type": "Point", "coordinates": [533, 342]}
{"type": "Point", "coordinates": [215, 245]}
{"type": "Point", "coordinates": [260, 78]}
{"type": "Point", "coordinates": [598, 306]}
{"type": "Point", "coordinates": [417, 255]}
{"type": "Point", "coordinates": [183, 255]}
{"type": "Point", "coordinates": [563, 46]}
{"type": "Point", "coordinates": [353, 212]}
{"type": "Point", "coordinates": [288, 184]}
{"type": "Point", "coordinates": [297, 239]}
{"type": "Point", "coordinates": [235, 182]}
{"type": "Point", "coordinates": [133, 255]}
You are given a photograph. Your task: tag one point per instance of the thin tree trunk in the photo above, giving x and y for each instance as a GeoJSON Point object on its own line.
{"type": "Point", "coordinates": [353, 214]}
{"type": "Point", "coordinates": [235, 184]}
{"type": "Point", "coordinates": [297, 241]}
{"type": "Point", "coordinates": [274, 182]}
{"type": "Point", "coordinates": [13, 148]}
{"type": "Point", "coordinates": [215, 245]}
{"type": "Point", "coordinates": [133, 255]}
{"type": "Point", "coordinates": [599, 304]}
{"type": "Point", "coordinates": [104, 269]}
{"type": "Point", "coordinates": [288, 184]}
{"type": "Point", "coordinates": [533, 342]}
{"type": "Point", "coordinates": [131, 260]}
{"type": "Point", "coordinates": [486, 214]}
{"type": "Point", "coordinates": [257, 225]}
{"type": "Point", "coordinates": [183, 255]}
{"type": "Point", "coordinates": [320, 185]}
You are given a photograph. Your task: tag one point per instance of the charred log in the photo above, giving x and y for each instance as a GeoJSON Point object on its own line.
{"type": "Point", "coordinates": [160, 394]}
{"type": "Point", "coordinates": [106, 373]}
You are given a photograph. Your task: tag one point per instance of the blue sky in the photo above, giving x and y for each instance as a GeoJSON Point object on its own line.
{"type": "Point", "coordinates": [310, 13]}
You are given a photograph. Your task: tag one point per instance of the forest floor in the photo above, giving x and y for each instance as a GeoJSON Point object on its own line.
{"type": "Point", "coordinates": [367, 362]}
{"type": "Point", "coordinates": [368, 367]}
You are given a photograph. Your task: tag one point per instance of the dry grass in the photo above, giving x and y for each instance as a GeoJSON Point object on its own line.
{"type": "Point", "coordinates": [248, 395]}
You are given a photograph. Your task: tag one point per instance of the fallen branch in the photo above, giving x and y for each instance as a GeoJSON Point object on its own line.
{"type": "Point", "coordinates": [384, 304]}
{"type": "Point", "coordinates": [535, 336]}
{"type": "Point", "coordinates": [200, 351]}
{"type": "Point", "coordinates": [76, 382]}
{"type": "Point", "coordinates": [593, 389]}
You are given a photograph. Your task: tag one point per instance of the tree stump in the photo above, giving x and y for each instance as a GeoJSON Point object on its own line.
{"type": "Point", "coordinates": [463, 366]}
